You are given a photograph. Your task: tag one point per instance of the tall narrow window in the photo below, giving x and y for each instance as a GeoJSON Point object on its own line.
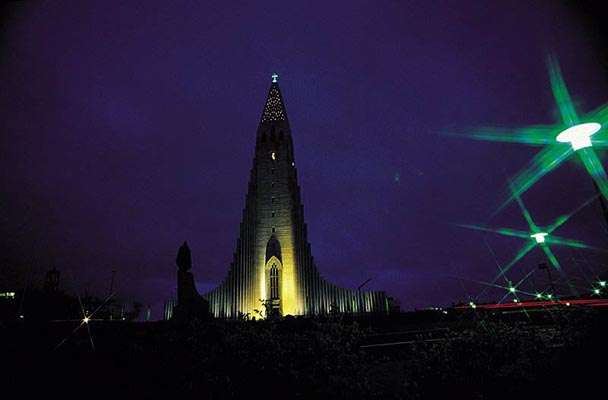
{"type": "Point", "coordinates": [272, 200]}
{"type": "Point", "coordinates": [273, 215]}
{"type": "Point", "coordinates": [274, 282]}
{"type": "Point", "coordinates": [272, 171]}
{"type": "Point", "coordinates": [272, 184]}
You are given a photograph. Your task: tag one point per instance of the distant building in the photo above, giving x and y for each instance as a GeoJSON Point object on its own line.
{"type": "Point", "coordinates": [273, 260]}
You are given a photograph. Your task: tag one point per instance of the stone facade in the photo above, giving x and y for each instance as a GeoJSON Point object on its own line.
{"type": "Point", "coordinates": [273, 260]}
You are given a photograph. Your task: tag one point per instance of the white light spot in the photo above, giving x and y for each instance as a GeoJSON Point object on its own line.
{"type": "Point", "coordinates": [540, 237]}
{"type": "Point", "coordinates": [579, 135]}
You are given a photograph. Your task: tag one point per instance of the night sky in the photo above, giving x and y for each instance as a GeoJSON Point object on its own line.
{"type": "Point", "coordinates": [127, 129]}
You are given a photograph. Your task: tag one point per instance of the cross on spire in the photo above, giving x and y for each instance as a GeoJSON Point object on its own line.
{"type": "Point", "coordinates": [274, 78]}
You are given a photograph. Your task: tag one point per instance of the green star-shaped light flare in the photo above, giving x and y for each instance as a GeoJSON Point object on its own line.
{"type": "Point", "coordinates": [574, 134]}
{"type": "Point", "coordinates": [533, 234]}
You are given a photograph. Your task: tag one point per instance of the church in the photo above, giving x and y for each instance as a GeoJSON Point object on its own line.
{"type": "Point", "coordinates": [273, 270]}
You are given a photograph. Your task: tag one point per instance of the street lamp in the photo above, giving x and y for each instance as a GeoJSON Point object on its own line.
{"type": "Point", "coordinates": [579, 136]}
{"type": "Point", "coordinates": [540, 239]}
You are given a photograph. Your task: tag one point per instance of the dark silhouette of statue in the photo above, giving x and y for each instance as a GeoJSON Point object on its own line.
{"type": "Point", "coordinates": [184, 259]}
{"type": "Point", "coordinates": [190, 304]}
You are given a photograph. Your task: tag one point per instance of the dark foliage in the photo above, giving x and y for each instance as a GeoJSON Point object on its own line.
{"type": "Point", "coordinates": [306, 358]}
{"type": "Point", "coordinates": [294, 358]}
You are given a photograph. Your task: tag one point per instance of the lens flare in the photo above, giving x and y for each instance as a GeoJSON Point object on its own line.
{"type": "Point", "coordinates": [573, 129]}
{"type": "Point", "coordinates": [542, 237]}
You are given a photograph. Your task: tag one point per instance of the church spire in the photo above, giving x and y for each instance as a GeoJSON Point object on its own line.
{"type": "Point", "coordinates": [273, 260]}
{"type": "Point", "coordinates": [274, 110]}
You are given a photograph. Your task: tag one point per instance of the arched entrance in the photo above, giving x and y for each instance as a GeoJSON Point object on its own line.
{"type": "Point", "coordinates": [273, 272]}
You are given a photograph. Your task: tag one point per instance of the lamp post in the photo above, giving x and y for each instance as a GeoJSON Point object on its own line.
{"type": "Point", "coordinates": [540, 239]}
{"type": "Point", "coordinates": [112, 282]}
{"type": "Point", "coordinates": [360, 298]}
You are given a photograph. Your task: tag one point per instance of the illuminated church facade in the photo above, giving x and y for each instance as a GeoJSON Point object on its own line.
{"type": "Point", "coordinates": [273, 260]}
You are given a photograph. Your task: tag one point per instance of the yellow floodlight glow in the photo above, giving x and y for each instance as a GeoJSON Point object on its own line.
{"type": "Point", "coordinates": [86, 320]}
{"type": "Point", "coordinates": [540, 237]}
{"type": "Point", "coordinates": [579, 135]}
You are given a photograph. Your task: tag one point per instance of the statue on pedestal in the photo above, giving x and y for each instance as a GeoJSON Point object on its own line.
{"type": "Point", "coordinates": [190, 304]}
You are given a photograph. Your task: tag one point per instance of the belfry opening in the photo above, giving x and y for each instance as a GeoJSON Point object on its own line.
{"type": "Point", "coordinates": [272, 265]}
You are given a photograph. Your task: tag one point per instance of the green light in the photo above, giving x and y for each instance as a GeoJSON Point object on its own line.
{"type": "Point", "coordinates": [512, 289]}
{"type": "Point", "coordinates": [602, 283]}
{"type": "Point", "coordinates": [274, 78]}
{"type": "Point", "coordinates": [543, 239]}
{"type": "Point", "coordinates": [540, 237]}
{"type": "Point", "coordinates": [560, 93]}
{"type": "Point", "coordinates": [579, 135]}
{"type": "Point", "coordinates": [550, 255]}
{"type": "Point", "coordinates": [502, 231]}
{"type": "Point", "coordinates": [572, 129]}
{"type": "Point", "coordinates": [544, 162]}
{"type": "Point", "coordinates": [549, 296]}
{"type": "Point", "coordinates": [596, 291]}
{"type": "Point", "coordinates": [595, 169]}
{"type": "Point", "coordinates": [473, 305]}
{"type": "Point", "coordinates": [535, 135]}
{"type": "Point", "coordinates": [539, 295]}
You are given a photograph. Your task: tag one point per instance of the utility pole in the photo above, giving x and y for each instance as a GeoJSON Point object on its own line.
{"type": "Point", "coordinates": [540, 241]}
{"type": "Point", "coordinates": [361, 298]}
{"type": "Point", "coordinates": [545, 266]}
{"type": "Point", "coordinates": [108, 305]}
{"type": "Point", "coordinates": [112, 282]}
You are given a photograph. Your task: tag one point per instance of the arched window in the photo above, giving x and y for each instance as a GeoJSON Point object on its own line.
{"type": "Point", "coordinates": [274, 282]}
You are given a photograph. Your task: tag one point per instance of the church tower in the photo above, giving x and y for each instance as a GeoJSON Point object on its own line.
{"type": "Point", "coordinates": [273, 260]}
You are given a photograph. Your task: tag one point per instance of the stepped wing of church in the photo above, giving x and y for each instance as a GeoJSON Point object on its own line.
{"type": "Point", "coordinates": [273, 260]}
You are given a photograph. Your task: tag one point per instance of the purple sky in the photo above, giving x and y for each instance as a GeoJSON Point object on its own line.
{"type": "Point", "coordinates": [127, 129]}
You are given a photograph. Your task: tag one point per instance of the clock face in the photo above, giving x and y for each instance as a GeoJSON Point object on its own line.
{"type": "Point", "coordinates": [273, 155]}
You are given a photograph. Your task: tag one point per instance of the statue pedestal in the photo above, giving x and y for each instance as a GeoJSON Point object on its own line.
{"type": "Point", "coordinates": [189, 303]}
